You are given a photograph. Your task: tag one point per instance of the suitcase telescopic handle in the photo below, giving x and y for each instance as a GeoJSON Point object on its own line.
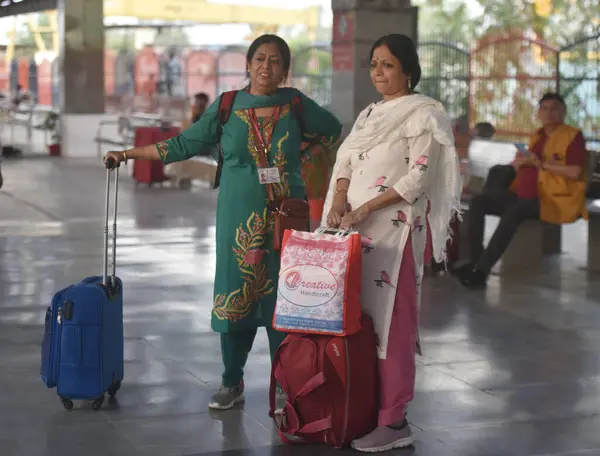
{"type": "Point", "coordinates": [110, 282]}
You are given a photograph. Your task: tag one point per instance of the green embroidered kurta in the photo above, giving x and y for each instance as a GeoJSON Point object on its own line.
{"type": "Point", "coordinates": [247, 267]}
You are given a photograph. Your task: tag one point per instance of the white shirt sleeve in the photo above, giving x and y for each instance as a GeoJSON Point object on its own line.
{"type": "Point", "coordinates": [423, 149]}
{"type": "Point", "coordinates": [345, 171]}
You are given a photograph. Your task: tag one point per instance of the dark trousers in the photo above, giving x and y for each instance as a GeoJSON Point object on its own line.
{"type": "Point", "coordinates": [235, 347]}
{"type": "Point", "coordinates": [512, 211]}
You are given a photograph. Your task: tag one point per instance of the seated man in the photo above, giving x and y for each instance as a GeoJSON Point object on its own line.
{"type": "Point", "coordinates": [549, 186]}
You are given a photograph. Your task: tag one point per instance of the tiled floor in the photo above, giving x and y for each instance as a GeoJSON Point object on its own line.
{"type": "Point", "coordinates": [514, 370]}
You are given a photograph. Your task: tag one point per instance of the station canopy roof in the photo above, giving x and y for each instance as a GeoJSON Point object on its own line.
{"type": "Point", "coordinates": [191, 11]}
{"type": "Point", "coordinates": [14, 7]}
{"type": "Point", "coordinates": [206, 12]}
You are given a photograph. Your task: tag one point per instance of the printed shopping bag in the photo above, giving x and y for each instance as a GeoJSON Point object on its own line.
{"type": "Point", "coordinates": [319, 283]}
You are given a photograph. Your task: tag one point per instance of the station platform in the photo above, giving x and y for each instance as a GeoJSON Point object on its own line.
{"type": "Point", "coordinates": [510, 371]}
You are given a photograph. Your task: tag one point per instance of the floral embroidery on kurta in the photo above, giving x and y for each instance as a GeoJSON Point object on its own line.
{"type": "Point", "coordinates": [163, 151]}
{"type": "Point", "coordinates": [281, 189]}
{"type": "Point", "coordinates": [249, 252]}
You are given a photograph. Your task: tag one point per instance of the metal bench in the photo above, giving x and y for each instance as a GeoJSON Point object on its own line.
{"type": "Point", "coordinates": [124, 137]}
{"type": "Point", "coordinates": [126, 125]}
{"type": "Point", "coordinates": [19, 117]}
{"type": "Point", "coordinates": [31, 118]}
{"type": "Point", "coordinates": [200, 168]}
{"type": "Point", "coordinates": [593, 250]}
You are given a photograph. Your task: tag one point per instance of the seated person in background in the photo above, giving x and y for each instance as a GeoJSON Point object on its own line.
{"type": "Point", "coordinates": [20, 95]}
{"type": "Point", "coordinates": [181, 172]}
{"type": "Point", "coordinates": [198, 108]}
{"type": "Point", "coordinates": [550, 185]}
{"type": "Point", "coordinates": [484, 130]}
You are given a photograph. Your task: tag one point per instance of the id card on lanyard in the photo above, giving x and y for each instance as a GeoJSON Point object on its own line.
{"type": "Point", "coordinates": [266, 175]}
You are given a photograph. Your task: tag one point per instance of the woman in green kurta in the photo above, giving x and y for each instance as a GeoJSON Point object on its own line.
{"type": "Point", "coordinates": [247, 267]}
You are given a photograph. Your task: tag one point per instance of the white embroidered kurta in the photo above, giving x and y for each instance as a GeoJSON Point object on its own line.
{"type": "Point", "coordinates": [408, 164]}
{"type": "Point", "coordinates": [401, 165]}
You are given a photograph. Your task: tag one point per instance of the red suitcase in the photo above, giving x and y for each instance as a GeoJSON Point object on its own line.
{"type": "Point", "coordinates": [331, 385]}
{"type": "Point", "coordinates": [151, 171]}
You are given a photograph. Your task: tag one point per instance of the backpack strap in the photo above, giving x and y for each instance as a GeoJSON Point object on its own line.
{"type": "Point", "coordinates": [224, 111]}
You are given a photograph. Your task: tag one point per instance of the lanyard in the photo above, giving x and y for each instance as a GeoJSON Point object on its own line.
{"type": "Point", "coordinates": [263, 143]}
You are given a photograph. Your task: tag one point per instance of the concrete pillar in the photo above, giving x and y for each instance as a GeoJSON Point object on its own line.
{"type": "Point", "coordinates": [357, 24]}
{"type": "Point", "coordinates": [81, 69]}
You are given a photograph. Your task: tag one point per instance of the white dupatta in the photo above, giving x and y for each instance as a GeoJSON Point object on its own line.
{"type": "Point", "coordinates": [408, 117]}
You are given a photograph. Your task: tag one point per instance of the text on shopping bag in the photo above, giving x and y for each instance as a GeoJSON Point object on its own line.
{"type": "Point", "coordinates": [308, 285]}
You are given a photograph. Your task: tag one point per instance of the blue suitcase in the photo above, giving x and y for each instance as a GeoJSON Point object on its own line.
{"type": "Point", "coordinates": [82, 350]}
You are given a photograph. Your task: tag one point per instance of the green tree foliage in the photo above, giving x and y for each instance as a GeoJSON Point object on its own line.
{"type": "Point", "coordinates": [452, 18]}
{"type": "Point", "coordinates": [25, 44]}
{"type": "Point", "coordinates": [311, 70]}
{"type": "Point", "coordinates": [508, 74]}
{"type": "Point", "coordinates": [557, 21]}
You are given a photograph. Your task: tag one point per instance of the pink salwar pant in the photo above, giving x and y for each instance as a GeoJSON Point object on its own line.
{"type": "Point", "coordinates": [397, 371]}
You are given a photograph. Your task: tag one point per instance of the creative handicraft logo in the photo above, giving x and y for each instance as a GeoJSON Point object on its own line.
{"type": "Point", "coordinates": [308, 285]}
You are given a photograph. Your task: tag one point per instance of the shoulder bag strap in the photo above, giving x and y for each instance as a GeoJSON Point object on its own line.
{"type": "Point", "coordinates": [225, 107]}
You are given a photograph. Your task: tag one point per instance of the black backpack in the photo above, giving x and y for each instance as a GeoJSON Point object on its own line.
{"type": "Point", "coordinates": [225, 108]}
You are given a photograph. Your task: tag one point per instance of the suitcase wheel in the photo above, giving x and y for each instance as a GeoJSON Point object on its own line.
{"type": "Point", "coordinates": [112, 391]}
{"type": "Point", "coordinates": [67, 404]}
{"type": "Point", "coordinates": [97, 404]}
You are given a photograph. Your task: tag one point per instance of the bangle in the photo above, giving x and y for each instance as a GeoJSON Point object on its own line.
{"type": "Point", "coordinates": [125, 157]}
{"type": "Point", "coordinates": [341, 190]}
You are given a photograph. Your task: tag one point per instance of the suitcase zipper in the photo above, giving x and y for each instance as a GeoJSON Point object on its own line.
{"type": "Point", "coordinates": [59, 319]}
{"type": "Point", "coordinates": [55, 339]}
{"type": "Point", "coordinates": [58, 345]}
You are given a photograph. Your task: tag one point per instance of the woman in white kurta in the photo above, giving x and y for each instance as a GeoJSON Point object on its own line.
{"type": "Point", "coordinates": [398, 158]}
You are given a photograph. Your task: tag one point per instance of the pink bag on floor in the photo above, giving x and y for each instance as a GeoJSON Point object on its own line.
{"type": "Point", "coordinates": [319, 283]}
